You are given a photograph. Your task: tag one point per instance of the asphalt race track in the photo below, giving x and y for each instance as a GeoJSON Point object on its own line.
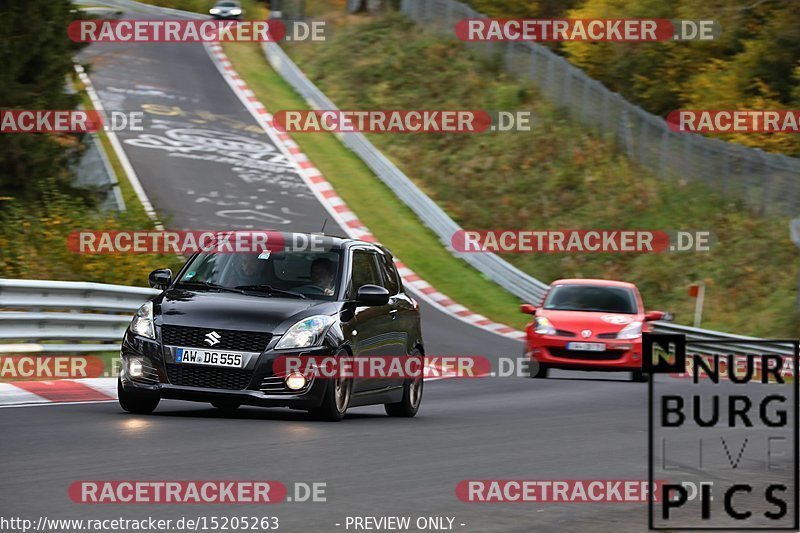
{"type": "Point", "coordinates": [205, 165]}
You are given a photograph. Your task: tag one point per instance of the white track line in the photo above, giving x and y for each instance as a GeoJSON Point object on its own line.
{"type": "Point", "coordinates": [133, 179]}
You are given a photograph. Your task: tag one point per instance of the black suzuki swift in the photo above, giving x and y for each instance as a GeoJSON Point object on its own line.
{"type": "Point", "coordinates": [215, 332]}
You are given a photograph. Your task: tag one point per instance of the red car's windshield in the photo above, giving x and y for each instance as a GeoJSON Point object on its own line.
{"type": "Point", "coordinates": [591, 298]}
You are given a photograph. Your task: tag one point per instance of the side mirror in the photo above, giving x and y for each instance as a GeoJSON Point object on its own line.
{"type": "Point", "coordinates": [161, 278]}
{"type": "Point", "coordinates": [528, 309]}
{"type": "Point", "coordinates": [651, 316]}
{"type": "Point", "coordinates": [372, 295]}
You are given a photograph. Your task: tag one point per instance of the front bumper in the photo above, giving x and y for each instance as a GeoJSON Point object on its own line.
{"type": "Point", "coordinates": [619, 354]}
{"type": "Point", "coordinates": [254, 385]}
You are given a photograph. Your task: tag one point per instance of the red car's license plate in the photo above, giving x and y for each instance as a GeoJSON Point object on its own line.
{"type": "Point", "coordinates": [587, 346]}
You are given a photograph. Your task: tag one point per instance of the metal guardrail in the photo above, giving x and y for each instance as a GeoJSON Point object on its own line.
{"type": "Point", "coordinates": [90, 317]}
{"type": "Point", "coordinates": [506, 275]}
{"type": "Point", "coordinates": [71, 295]}
{"type": "Point", "coordinates": [697, 335]}
{"type": "Point", "coordinates": [80, 312]}
{"type": "Point", "coordinates": [74, 326]}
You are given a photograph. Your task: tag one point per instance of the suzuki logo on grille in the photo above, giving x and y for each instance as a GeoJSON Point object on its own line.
{"type": "Point", "coordinates": [212, 338]}
{"type": "Point", "coordinates": [586, 333]}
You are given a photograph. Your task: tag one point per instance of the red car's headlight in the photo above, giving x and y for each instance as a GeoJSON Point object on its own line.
{"type": "Point", "coordinates": [542, 326]}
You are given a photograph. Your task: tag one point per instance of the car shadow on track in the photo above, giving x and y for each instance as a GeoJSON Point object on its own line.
{"type": "Point", "coordinates": [247, 413]}
{"type": "Point", "coordinates": [621, 379]}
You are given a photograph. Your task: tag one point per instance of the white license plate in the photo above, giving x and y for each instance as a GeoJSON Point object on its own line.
{"type": "Point", "coordinates": [193, 356]}
{"type": "Point", "coordinates": [587, 346]}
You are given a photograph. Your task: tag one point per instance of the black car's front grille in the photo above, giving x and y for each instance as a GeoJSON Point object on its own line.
{"type": "Point", "coordinates": [583, 355]}
{"type": "Point", "coordinates": [239, 341]}
{"type": "Point", "coordinates": [209, 377]}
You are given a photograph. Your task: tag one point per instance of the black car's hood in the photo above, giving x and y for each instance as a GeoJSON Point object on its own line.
{"type": "Point", "coordinates": [228, 310]}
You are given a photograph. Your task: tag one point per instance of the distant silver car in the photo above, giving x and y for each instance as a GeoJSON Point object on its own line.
{"type": "Point", "coordinates": [227, 9]}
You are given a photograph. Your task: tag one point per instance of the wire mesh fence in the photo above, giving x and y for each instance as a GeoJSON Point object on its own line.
{"type": "Point", "coordinates": [766, 182]}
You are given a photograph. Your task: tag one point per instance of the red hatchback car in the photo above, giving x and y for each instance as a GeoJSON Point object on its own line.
{"type": "Point", "coordinates": [588, 324]}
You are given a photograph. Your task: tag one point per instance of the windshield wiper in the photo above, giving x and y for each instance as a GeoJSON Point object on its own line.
{"type": "Point", "coordinates": [209, 285]}
{"type": "Point", "coordinates": [270, 289]}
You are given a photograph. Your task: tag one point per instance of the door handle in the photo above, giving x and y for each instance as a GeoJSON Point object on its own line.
{"type": "Point", "coordinates": [393, 312]}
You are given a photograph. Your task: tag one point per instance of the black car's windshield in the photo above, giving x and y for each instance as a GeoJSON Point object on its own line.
{"type": "Point", "coordinates": [591, 298]}
{"type": "Point", "coordinates": [227, 4]}
{"type": "Point", "coordinates": [309, 274]}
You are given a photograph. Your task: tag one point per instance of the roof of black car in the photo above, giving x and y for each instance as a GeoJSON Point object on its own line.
{"type": "Point", "coordinates": [332, 241]}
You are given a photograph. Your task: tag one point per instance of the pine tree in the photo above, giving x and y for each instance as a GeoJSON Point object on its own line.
{"type": "Point", "coordinates": [35, 59]}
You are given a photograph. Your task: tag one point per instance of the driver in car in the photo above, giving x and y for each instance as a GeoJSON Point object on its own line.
{"type": "Point", "coordinates": [323, 272]}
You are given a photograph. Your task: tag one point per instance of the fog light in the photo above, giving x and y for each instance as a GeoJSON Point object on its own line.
{"type": "Point", "coordinates": [296, 381]}
{"type": "Point", "coordinates": [135, 369]}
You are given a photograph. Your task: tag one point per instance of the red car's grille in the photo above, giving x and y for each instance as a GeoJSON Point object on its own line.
{"type": "Point", "coordinates": [565, 333]}
{"type": "Point", "coordinates": [580, 355]}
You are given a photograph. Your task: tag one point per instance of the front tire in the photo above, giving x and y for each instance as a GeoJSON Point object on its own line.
{"type": "Point", "coordinates": [408, 406]}
{"type": "Point", "coordinates": [135, 402]}
{"type": "Point", "coordinates": [336, 399]}
{"type": "Point", "coordinates": [412, 398]}
{"type": "Point", "coordinates": [537, 370]}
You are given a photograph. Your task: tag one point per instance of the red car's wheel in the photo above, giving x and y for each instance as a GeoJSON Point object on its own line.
{"type": "Point", "coordinates": [537, 370]}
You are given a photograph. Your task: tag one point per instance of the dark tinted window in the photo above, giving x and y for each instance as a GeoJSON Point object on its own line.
{"type": "Point", "coordinates": [591, 298]}
{"type": "Point", "coordinates": [314, 274]}
{"type": "Point", "coordinates": [365, 270]}
{"type": "Point", "coordinates": [389, 273]}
